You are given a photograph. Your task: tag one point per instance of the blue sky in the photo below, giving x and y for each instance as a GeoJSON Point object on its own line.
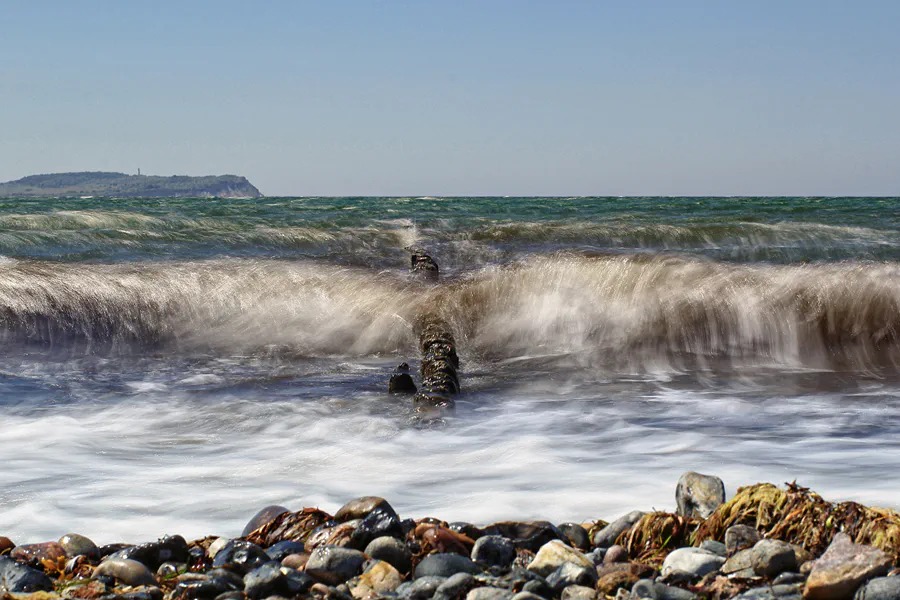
{"type": "Point", "coordinates": [444, 98]}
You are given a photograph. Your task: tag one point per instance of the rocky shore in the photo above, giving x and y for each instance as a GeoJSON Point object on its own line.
{"type": "Point", "coordinates": [765, 543]}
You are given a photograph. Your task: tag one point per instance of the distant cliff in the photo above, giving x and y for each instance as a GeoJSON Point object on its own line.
{"type": "Point", "coordinates": [120, 184]}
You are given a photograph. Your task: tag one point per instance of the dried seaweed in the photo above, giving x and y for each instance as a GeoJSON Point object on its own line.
{"type": "Point", "coordinates": [655, 535]}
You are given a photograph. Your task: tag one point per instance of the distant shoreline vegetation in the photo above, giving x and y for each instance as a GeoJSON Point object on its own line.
{"type": "Point", "coordinates": [123, 185]}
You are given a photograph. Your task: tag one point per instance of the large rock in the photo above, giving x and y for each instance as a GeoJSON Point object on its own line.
{"type": "Point", "coordinates": [844, 566]}
{"type": "Point", "coordinates": [690, 563]}
{"type": "Point", "coordinates": [607, 536]}
{"type": "Point", "coordinates": [127, 571]}
{"type": "Point", "coordinates": [699, 495]}
{"type": "Point", "coordinates": [553, 554]}
{"type": "Point", "coordinates": [17, 578]}
{"type": "Point", "coordinates": [333, 564]}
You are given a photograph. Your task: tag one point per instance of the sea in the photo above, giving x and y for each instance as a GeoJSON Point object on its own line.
{"type": "Point", "coordinates": [171, 366]}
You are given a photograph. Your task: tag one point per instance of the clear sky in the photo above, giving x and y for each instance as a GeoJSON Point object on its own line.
{"type": "Point", "coordinates": [669, 97]}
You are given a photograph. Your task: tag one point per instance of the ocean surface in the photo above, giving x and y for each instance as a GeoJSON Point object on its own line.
{"type": "Point", "coordinates": [172, 366]}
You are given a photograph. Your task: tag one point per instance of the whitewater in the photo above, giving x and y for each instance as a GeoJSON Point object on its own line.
{"type": "Point", "coordinates": [173, 365]}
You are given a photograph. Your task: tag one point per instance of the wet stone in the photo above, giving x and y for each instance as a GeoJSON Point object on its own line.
{"type": "Point", "coordinates": [6, 544]}
{"type": "Point", "coordinates": [334, 564]}
{"type": "Point", "coordinates": [143, 592]}
{"type": "Point", "coordinates": [553, 554]}
{"type": "Point", "coordinates": [444, 565]}
{"type": "Point", "coordinates": [361, 507]}
{"type": "Point", "coordinates": [170, 569]}
{"type": "Point", "coordinates": [771, 557]}
{"type": "Point", "coordinates": [456, 586]}
{"type": "Point", "coordinates": [295, 561]}
{"type": "Point", "coordinates": [298, 582]}
{"type": "Point", "coordinates": [152, 554]}
{"type": "Point", "coordinates": [216, 545]}
{"type": "Point", "coordinates": [607, 536]}
{"type": "Point", "coordinates": [209, 588]}
{"type": "Point", "coordinates": [230, 576]}
{"type": "Point", "coordinates": [789, 577]}
{"type": "Point", "coordinates": [539, 587]}
{"type": "Point", "coordinates": [281, 550]}
{"type": "Point", "coordinates": [880, 588]}
{"type": "Point", "coordinates": [523, 595]}
{"type": "Point", "coordinates": [33, 554]}
{"type": "Point", "coordinates": [647, 588]}
{"type": "Point", "coordinates": [773, 592]}
{"type": "Point", "coordinates": [738, 537]}
{"type": "Point", "coordinates": [263, 517]}
{"type": "Point", "coordinates": [266, 580]}
{"type": "Point", "coordinates": [421, 588]}
{"type": "Point", "coordinates": [240, 556]}
{"type": "Point", "coordinates": [75, 545]}
{"type": "Point", "coordinates": [489, 593]}
{"type": "Point", "coordinates": [577, 535]}
{"type": "Point", "coordinates": [844, 566]}
{"type": "Point", "coordinates": [391, 550]}
{"type": "Point", "coordinates": [570, 574]}
{"type": "Point", "coordinates": [127, 571]}
{"type": "Point", "coordinates": [699, 495]}
{"type": "Point", "coordinates": [494, 551]}
{"type": "Point", "coordinates": [378, 578]}
{"type": "Point", "coordinates": [22, 579]}
{"type": "Point", "coordinates": [381, 522]}
{"type": "Point", "coordinates": [690, 563]}
{"type": "Point", "coordinates": [231, 596]}
{"type": "Point", "coordinates": [467, 529]}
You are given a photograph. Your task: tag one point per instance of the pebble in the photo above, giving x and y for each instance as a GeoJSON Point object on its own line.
{"type": "Point", "coordinates": [571, 574]}
{"type": "Point", "coordinates": [607, 536]}
{"type": "Point", "coordinates": [494, 551]}
{"type": "Point", "coordinates": [380, 577]}
{"type": "Point", "coordinates": [263, 517]}
{"type": "Point", "coordinates": [33, 554]}
{"type": "Point", "coordinates": [380, 522]}
{"type": "Point", "coordinates": [539, 587]}
{"type": "Point", "coordinates": [420, 588]}
{"type": "Point", "coordinates": [738, 537]}
{"type": "Point", "coordinates": [454, 587]}
{"type": "Point", "coordinates": [467, 529]}
{"type": "Point", "coordinates": [229, 576]}
{"type": "Point", "coordinates": [647, 588]}
{"type": "Point", "coordinates": [610, 583]}
{"type": "Point", "coordinates": [208, 588]}
{"type": "Point", "coordinates": [527, 596]}
{"type": "Point", "coordinates": [741, 560]}
{"type": "Point", "coordinates": [773, 592]}
{"type": "Point", "coordinates": [596, 555]}
{"type": "Point", "coordinates": [880, 588]}
{"type": "Point", "coordinates": [714, 547]}
{"type": "Point", "coordinates": [172, 548]}
{"type": "Point", "coordinates": [579, 592]}
{"type": "Point", "coordinates": [553, 554]}
{"type": "Point", "coordinates": [334, 564]}
{"type": "Point", "coordinates": [699, 495]}
{"type": "Point", "coordinates": [129, 572]}
{"type": "Point", "coordinates": [295, 561]}
{"type": "Point", "coordinates": [444, 565]}
{"type": "Point", "coordinates": [266, 580]}
{"type": "Point", "coordinates": [281, 550]}
{"type": "Point", "coordinates": [844, 566]}
{"type": "Point", "coordinates": [361, 507]}
{"type": "Point", "coordinates": [615, 554]}
{"type": "Point", "coordinates": [489, 593]}
{"type": "Point", "coordinates": [772, 557]}
{"type": "Point", "coordinates": [298, 582]}
{"type": "Point", "coordinates": [240, 556]}
{"type": "Point", "coordinates": [391, 550]}
{"type": "Point", "coordinates": [577, 535]}
{"type": "Point", "coordinates": [789, 577]}
{"type": "Point", "coordinates": [17, 578]}
{"type": "Point", "coordinates": [75, 545]}
{"type": "Point", "coordinates": [216, 545]}
{"type": "Point", "coordinates": [690, 563]}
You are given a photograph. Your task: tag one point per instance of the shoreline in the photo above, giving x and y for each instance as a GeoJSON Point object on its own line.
{"type": "Point", "coordinates": [763, 538]}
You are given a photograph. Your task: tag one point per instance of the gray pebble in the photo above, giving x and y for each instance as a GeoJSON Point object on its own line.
{"type": "Point", "coordinates": [454, 587]}
{"type": "Point", "coordinates": [127, 571]}
{"type": "Point", "coordinates": [607, 536]}
{"type": "Point", "coordinates": [75, 544]}
{"type": "Point", "coordinates": [715, 547]}
{"type": "Point", "coordinates": [421, 588]}
{"type": "Point", "coordinates": [579, 592]}
{"type": "Point", "coordinates": [577, 534]}
{"type": "Point", "coordinates": [523, 595]}
{"type": "Point", "coordinates": [494, 551]}
{"type": "Point", "coordinates": [880, 588]}
{"type": "Point", "coordinates": [571, 574]}
{"type": "Point", "coordinates": [771, 557]}
{"type": "Point", "coordinates": [334, 565]}
{"type": "Point", "coordinates": [690, 563]}
{"type": "Point", "coordinates": [445, 565]}
{"type": "Point", "coordinates": [738, 537]}
{"type": "Point", "coordinates": [773, 592]}
{"type": "Point", "coordinates": [615, 554]}
{"type": "Point", "coordinates": [266, 580]}
{"type": "Point", "coordinates": [392, 551]}
{"type": "Point", "coordinates": [489, 593]}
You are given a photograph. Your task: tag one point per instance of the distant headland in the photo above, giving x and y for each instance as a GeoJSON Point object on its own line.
{"type": "Point", "coordinates": [123, 185]}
